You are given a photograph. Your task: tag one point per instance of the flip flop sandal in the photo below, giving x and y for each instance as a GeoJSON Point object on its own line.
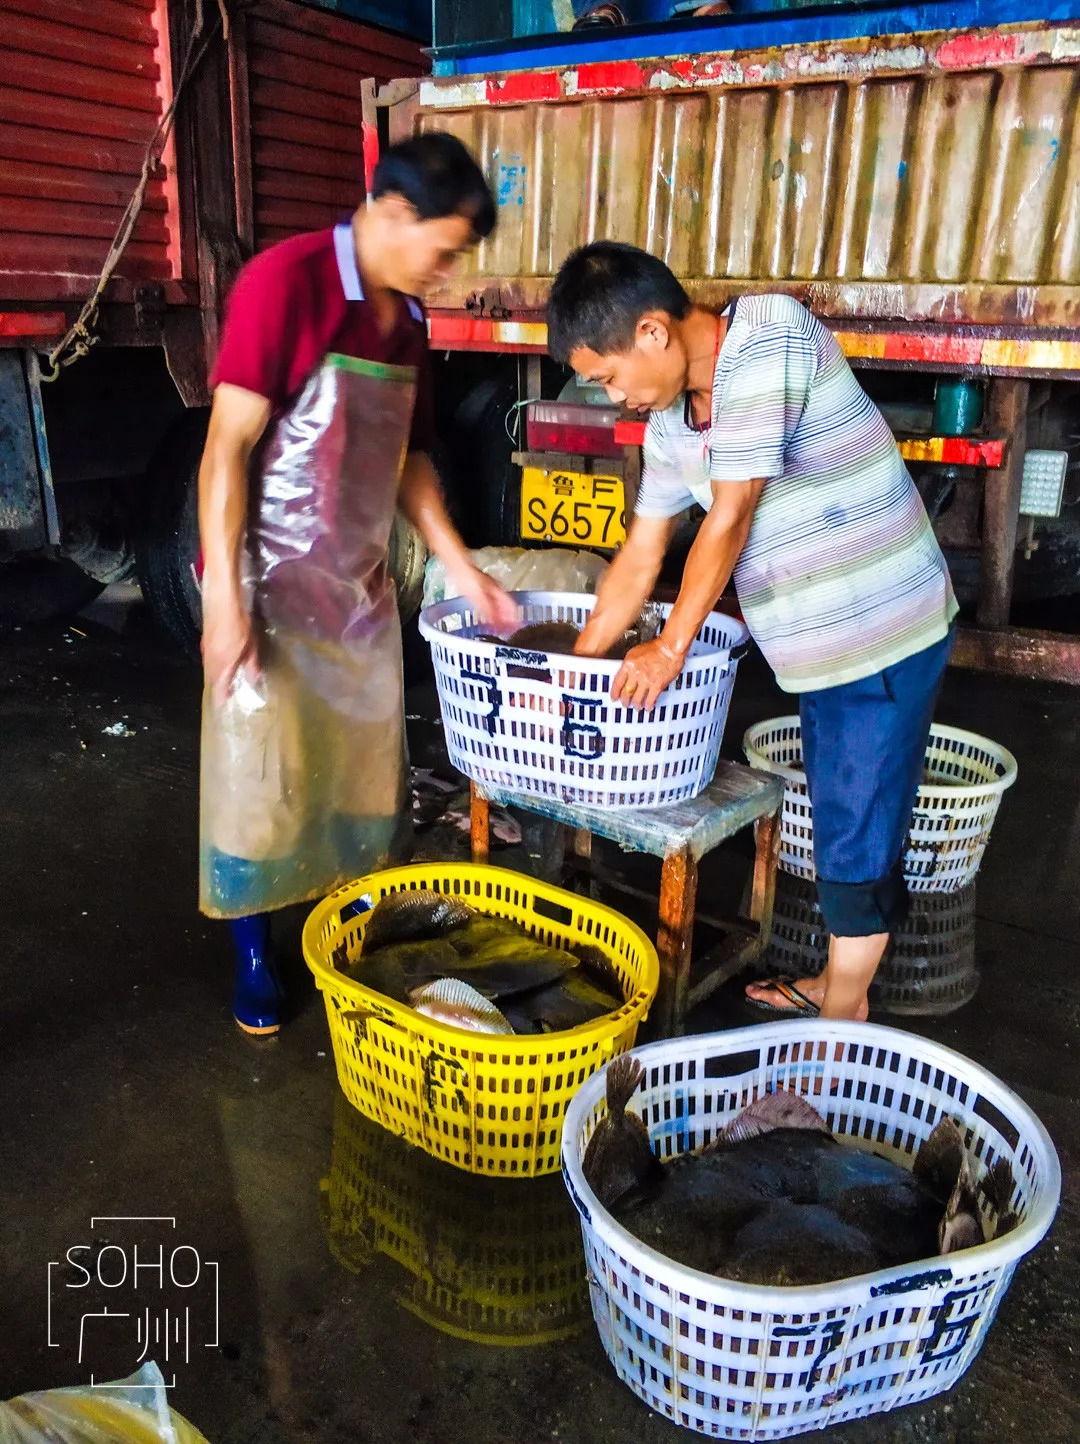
{"type": "Point", "coordinates": [801, 1005]}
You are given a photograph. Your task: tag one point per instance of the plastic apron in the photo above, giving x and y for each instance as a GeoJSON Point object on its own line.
{"type": "Point", "coordinates": [302, 783]}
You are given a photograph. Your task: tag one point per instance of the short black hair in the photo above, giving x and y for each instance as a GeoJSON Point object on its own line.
{"type": "Point", "coordinates": [438, 177]}
{"type": "Point", "coordinates": [601, 293]}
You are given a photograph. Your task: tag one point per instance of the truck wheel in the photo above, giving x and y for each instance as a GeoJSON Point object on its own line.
{"type": "Point", "coordinates": [484, 484]}
{"type": "Point", "coordinates": [37, 589]}
{"type": "Point", "coordinates": [168, 546]}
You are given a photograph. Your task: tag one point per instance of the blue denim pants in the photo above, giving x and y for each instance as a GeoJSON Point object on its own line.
{"type": "Point", "coordinates": [863, 748]}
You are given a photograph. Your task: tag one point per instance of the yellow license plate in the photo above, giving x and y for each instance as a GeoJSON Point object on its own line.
{"type": "Point", "coordinates": [572, 507]}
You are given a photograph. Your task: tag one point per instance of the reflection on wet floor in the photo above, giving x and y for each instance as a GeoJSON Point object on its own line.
{"type": "Point", "coordinates": [929, 968]}
{"type": "Point", "coordinates": [496, 1261]}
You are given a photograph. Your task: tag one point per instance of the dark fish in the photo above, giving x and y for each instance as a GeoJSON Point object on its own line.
{"type": "Point", "coordinates": [943, 1165]}
{"type": "Point", "coordinates": [598, 967]}
{"type": "Point", "coordinates": [399, 969]}
{"type": "Point", "coordinates": [788, 1244]}
{"type": "Point", "coordinates": [619, 1160]}
{"type": "Point", "coordinates": [409, 916]}
{"type": "Point", "coordinates": [520, 950]}
{"type": "Point", "coordinates": [569, 1003]}
{"type": "Point", "coordinates": [700, 1201]}
{"type": "Point", "coordinates": [480, 931]}
{"type": "Point", "coordinates": [558, 637]}
{"type": "Point", "coordinates": [776, 1199]}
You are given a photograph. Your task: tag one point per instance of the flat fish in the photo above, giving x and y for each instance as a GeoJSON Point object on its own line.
{"type": "Point", "coordinates": [791, 1244]}
{"type": "Point", "coordinates": [698, 1202]}
{"type": "Point", "coordinates": [411, 916]}
{"type": "Point", "coordinates": [619, 1159]}
{"type": "Point", "coordinates": [397, 970]}
{"type": "Point", "coordinates": [451, 1001]}
{"type": "Point", "coordinates": [569, 1003]}
{"type": "Point", "coordinates": [599, 969]}
{"type": "Point", "coordinates": [776, 1199]}
{"type": "Point", "coordinates": [558, 637]}
{"type": "Point", "coordinates": [480, 931]}
{"type": "Point", "coordinates": [780, 1109]}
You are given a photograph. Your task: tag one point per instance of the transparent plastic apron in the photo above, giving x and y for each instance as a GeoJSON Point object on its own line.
{"type": "Point", "coordinates": [303, 784]}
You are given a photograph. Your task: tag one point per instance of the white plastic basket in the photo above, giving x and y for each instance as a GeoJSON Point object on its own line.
{"type": "Point", "coordinates": [951, 819]}
{"type": "Point", "coordinates": [740, 1362]}
{"type": "Point", "coordinates": [929, 968]}
{"type": "Point", "coordinates": [543, 724]}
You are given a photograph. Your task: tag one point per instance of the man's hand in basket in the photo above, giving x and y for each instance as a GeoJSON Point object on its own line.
{"type": "Point", "coordinates": [492, 603]}
{"type": "Point", "coordinates": [644, 674]}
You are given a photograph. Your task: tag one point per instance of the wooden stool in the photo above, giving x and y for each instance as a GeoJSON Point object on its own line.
{"type": "Point", "coordinates": [681, 834]}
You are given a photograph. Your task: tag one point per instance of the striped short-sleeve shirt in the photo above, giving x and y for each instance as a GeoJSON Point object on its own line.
{"type": "Point", "coordinates": [841, 575]}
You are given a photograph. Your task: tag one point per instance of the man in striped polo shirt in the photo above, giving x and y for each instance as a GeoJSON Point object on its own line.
{"type": "Point", "coordinates": [757, 417]}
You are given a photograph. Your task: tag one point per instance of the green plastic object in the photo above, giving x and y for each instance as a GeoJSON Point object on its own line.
{"type": "Point", "coordinates": [958, 406]}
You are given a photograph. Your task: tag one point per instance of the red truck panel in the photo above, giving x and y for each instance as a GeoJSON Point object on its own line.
{"type": "Point", "coordinates": [81, 91]}
{"type": "Point", "coordinates": [306, 69]}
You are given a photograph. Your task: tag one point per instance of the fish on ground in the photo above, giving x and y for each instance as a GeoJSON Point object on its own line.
{"type": "Point", "coordinates": [776, 1199]}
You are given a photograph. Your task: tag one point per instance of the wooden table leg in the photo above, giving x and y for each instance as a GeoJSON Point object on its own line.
{"type": "Point", "coordinates": [763, 895]}
{"type": "Point", "coordinates": [479, 824]}
{"type": "Point", "coordinates": [674, 940]}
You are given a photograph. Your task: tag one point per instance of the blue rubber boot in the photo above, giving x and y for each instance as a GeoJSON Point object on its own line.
{"type": "Point", "coordinates": [257, 1000]}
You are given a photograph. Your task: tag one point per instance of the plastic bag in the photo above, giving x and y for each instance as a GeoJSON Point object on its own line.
{"type": "Point", "coordinates": [131, 1411]}
{"type": "Point", "coordinates": [551, 569]}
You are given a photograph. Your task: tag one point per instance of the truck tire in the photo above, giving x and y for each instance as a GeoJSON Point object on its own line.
{"type": "Point", "coordinates": [168, 545]}
{"type": "Point", "coordinates": [35, 589]}
{"type": "Point", "coordinates": [484, 485]}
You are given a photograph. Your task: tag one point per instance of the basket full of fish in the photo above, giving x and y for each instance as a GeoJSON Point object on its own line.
{"type": "Point", "coordinates": [467, 1004]}
{"type": "Point", "coordinates": [524, 714]}
{"type": "Point", "coordinates": [791, 1225]}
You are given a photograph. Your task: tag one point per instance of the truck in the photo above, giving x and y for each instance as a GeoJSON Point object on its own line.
{"type": "Point", "coordinates": [910, 173]}
{"type": "Point", "coordinates": [147, 148]}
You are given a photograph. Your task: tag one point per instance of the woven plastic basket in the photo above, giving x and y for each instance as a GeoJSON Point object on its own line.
{"type": "Point", "coordinates": [489, 1260]}
{"type": "Point", "coordinates": [740, 1362]}
{"type": "Point", "coordinates": [483, 1102]}
{"type": "Point", "coordinates": [950, 822]}
{"type": "Point", "coordinates": [928, 970]}
{"type": "Point", "coordinates": [542, 724]}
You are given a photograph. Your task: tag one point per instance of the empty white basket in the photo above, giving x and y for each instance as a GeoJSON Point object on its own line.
{"type": "Point", "coordinates": [740, 1362]}
{"type": "Point", "coordinates": [543, 724]}
{"type": "Point", "coordinates": [929, 967]}
{"type": "Point", "coordinates": [951, 819]}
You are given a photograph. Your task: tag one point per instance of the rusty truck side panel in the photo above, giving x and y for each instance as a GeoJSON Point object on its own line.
{"type": "Point", "coordinates": [925, 178]}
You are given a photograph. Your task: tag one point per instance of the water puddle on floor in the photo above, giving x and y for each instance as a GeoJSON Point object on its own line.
{"type": "Point", "coordinates": [495, 1261]}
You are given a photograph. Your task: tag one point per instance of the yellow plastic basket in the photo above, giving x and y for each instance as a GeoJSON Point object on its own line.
{"type": "Point", "coordinates": [485, 1103]}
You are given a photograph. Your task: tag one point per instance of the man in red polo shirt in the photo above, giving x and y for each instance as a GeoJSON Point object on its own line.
{"type": "Point", "coordinates": [321, 425]}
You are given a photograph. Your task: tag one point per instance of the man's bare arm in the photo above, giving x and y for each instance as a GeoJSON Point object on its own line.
{"type": "Point", "coordinates": [626, 585]}
{"type": "Point", "coordinates": [421, 499]}
{"type": "Point", "coordinates": [650, 668]}
{"type": "Point", "coordinates": [237, 420]}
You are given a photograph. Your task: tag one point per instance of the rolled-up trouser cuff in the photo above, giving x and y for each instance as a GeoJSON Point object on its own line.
{"type": "Point", "coordinates": [860, 909]}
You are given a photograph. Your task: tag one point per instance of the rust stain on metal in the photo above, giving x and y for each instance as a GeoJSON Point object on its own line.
{"type": "Point", "coordinates": [919, 177]}
{"type": "Point", "coordinates": [1010, 651]}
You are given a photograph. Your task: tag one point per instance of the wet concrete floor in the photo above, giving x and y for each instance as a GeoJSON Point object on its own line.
{"type": "Point", "coordinates": [366, 1294]}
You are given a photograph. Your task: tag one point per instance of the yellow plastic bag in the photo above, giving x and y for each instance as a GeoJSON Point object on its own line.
{"type": "Point", "coordinates": [131, 1411]}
